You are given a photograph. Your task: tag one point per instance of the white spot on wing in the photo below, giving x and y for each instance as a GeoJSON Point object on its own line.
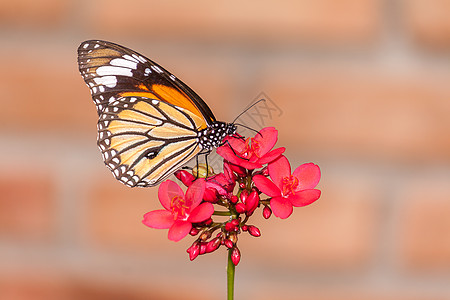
{"type": "Point", "coordinates": [111, 70]}
{"type": "Point", "coordinates": [157, 69]}
{"type": "Point", "coordinates": [109, 81]}
{"type": "Point", "coordinates": [120, 62]}
{"type": "Point", "coordinates": [126, 56]}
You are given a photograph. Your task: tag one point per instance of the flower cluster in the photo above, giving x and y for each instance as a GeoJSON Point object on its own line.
{"type": "Point", "coordinates": [253, 176]}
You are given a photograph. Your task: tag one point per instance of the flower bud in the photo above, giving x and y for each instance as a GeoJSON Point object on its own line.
{"type": "Point", "coordinates": [205, 235]}
{"type": "Point", "coordinates": [267, 212]}
{"type": "Point", "coordinates": [237, 169]}
{"type": "Point", "coordinates": [254, 231]}
{"type": "Point", "coordinates": [193, 251]}
{"type": "Point", "coordinates": [234, 199]}
{"type": "Point", "coordinates": [265, 171]}
{"type": "Point", "coordinates": [235, 256]}
{"type": "Point", "coordinates": [233, 237]}
{"type": "Point", "coordinates": [212, 245]}
{"type": "Point", "coordinates": [243, 196]}
{"type": "Point", "coordinates": [229, 226]}
{"type": "Point", "coordinates": [235, 222]}
{"type": "Point", "coordinates": [202, 248]}
{"type": "Point", "coordinates": [194, 231]}
{"type": "Point", "coordinates": [242, 185]}
{"type": "Point", "coordinates": [252, 202]}
{"type": "Point", "coordinates": [240, 208]}
{"type": "Point", "coordinates": [185, 177]}
{"type": "Point", "coordinates": [228, 171]}
{"type": "Point", "coordinates": [207, 222]}
{"type": "Point", "coordinates": [210, 195]}
{"type": "Point", "coordinates": [228, 243]}
{"type": "Point", "coordinates": [244, 227]}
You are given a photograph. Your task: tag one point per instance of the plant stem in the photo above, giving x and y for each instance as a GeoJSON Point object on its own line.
{"type": "Point", "coordinates": [230, 277]}
{"type": "Point", "coordinates": [222, 213]}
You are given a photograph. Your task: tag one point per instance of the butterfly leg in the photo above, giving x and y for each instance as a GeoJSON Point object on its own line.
{"type": "Point", "coordinates": [228, 143]}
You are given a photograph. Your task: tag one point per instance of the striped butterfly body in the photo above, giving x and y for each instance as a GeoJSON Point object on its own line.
{"type": "Point", "coordinates": [150, 123]}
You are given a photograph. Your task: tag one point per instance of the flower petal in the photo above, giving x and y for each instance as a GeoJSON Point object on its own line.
{"type": "Point", "coordinates": [304, 197]}
{"type": "Point", "coordinates": [167, 191]}
{"type": "Point", "coordinates": [308, 176]}
{"type": "Point", "coordinates": [201, 213]}
{"type": "Point", "coordinates": [267, 138]}
{"type": "Point", "coordinates": [217, 186]}
{"type": "Point", "coordinates": [179, 230]}
{"type": "Point", "coordinates": [279, 169]}
{"type": "Point", "coordinates": [281, 207]}
{"type": "Point", "coordinates": [266, 186]}
{"type": "Point", "coordinates": [271, 156]}
{"type": "Point", "coordinates": [227, 153]}
{"type": "Point", "coordinates": [238, 145]}
{"type": "Point", "coordinates": [194, 193]}
{"type": "Point", "coordinates": [159, 219]}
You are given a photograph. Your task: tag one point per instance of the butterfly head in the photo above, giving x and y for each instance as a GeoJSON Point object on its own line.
{"type": "Point", "coordinates": [231, 129]}
{"type": "Point", "coordinates": [212, 137]}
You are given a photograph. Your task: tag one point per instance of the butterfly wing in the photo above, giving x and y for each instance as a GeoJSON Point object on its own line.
{"type": "Point", "coordinates": [144, 140]}
{"type": "Point", "coordinates": [148, 119]}
{"type": "Point", "coordinates": [111, 70]}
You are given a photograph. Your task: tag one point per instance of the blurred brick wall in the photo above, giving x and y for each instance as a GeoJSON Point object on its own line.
{"type": "Point", "coordinates": [363, 87]}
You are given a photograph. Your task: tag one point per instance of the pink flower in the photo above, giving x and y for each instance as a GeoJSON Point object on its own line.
{"type": "Point", "coordinates": [222, 183]}
{"type": "Point", "coordinates": [288, 190]}
{"type": "Point", "coordinates": [253, 152]}
{"type": "Point", "coordinates": [180, 210]}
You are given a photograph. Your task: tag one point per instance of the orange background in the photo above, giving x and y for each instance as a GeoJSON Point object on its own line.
{"type": "Point", "coordinates": [363, 90]}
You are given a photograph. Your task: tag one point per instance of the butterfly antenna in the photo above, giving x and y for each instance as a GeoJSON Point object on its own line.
{"type": "Point", "coordinates": [260, 100]}
{"type": "Point", "coordinates": [249, 128]}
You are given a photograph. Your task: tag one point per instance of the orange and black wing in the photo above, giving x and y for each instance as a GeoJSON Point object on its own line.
{"type": "Point", "coordinates": [149, 121]}
{"type": "Point", "coordinates": [143, 141]}
{"type": "Point", "coordinates": [112, 71]}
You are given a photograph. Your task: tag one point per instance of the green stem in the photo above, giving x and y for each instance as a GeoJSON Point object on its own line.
{"type": "Point", "coordinates": [230, 277]}
{"type": "Point", "coordinates": [222, 213]}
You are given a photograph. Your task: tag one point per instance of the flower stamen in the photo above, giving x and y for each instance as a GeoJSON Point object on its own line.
{"type": "Point", "coordinates": [289, 185]}
{"type": "Point", "coordinates": [179, 207]}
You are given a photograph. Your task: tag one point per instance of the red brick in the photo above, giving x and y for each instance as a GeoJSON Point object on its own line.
{"type": "Point", "coordinates": [42, 285]}
{"type": "Point", "coordinates": [424, 236]}
{"type": "Point", "coordinates": [323, 21]}
{"type": "Point", "coordinates": [362, 112]}
{"type": "Point", "coordinates": [27, 204]}
{"type": "Point", "coordinates": [336, 232]}
{"type": "Point", "coordinates": [89, 288]}
{"type": "Point", "coordinates": [428, 22]}
{"type": "Point", "coordinates": [348, 293]}
{"type": "Point", "coordinates": [37, 284]}
{"type": "Point", "coordinates": [114, 213]}
{"type": "Point", "coordinates": [32, 14]}
{"type": "Point", "coordinates": [43, 90]}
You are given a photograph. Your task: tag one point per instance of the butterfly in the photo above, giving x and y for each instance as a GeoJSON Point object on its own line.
{"type": "Point", "coordinates": [150, 123]}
